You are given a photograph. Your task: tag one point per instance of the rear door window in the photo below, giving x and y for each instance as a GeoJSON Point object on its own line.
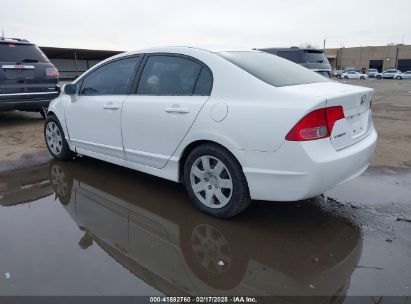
{"type": "Point", "coordinates": [113, 78]}
{"type": "Point", "coordinates": [170, 76]}
{"type": "Point", "coordinates": [204, 83]}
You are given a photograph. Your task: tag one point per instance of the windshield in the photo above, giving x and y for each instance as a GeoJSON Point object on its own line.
{"type": "Point", "coordinates": [272, 69]}
{"type": "Point", "coordinates": [10, 52]}
{"type": "Point", "coordinates": [315, 57]}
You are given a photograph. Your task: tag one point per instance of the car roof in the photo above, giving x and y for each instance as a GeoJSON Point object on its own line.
{"type": "Point", "coordinates": [14, 40]}
{"type": "Point", "coordinates": [291, 49]}
{"type": "Point", "coordinates": [184, 50]}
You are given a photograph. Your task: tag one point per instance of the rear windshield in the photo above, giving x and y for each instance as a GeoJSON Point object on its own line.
{"type": "Point", "coordinates": [272, 69]}
{"type": "Point", "coordinates": [315, 57]}
{"type": "Point", "coordinates": [10, 52]}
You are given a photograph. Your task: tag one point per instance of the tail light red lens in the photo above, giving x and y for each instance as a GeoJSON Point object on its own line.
{"type": "Point", "coordinates": [52, 72]}
{"type": "Point", "coordinates": [316, 124]}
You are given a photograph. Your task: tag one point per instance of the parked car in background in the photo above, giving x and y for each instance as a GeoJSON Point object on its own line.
{"type": "Point", "coordinates": [388, 74]}
{"type": "Point", "coordinates": [340, 72]}
{"type": "Point", "coordinates": [337, 73]}
{"type": "Point", "coordinates": [372, 72]}
{"type": "Point", "coordinates": [354, 75]}
{"type": "Point", "coordinates": [276, 131]}
{"type": "Point", "coordinates": [28, 80]}
{"type": "Point", "coordinates": [313, 59]}
{"type": "Point", "coordinates": [405, 75]}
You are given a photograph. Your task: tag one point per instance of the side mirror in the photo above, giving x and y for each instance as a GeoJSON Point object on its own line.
{"type": "Point", "coordinates": [70, 89]}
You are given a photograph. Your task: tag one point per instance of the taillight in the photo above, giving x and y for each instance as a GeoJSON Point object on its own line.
{"type": "Point", "coordinates": [316, 124]}
{"type": "Point", "coordinates": [52, 72]}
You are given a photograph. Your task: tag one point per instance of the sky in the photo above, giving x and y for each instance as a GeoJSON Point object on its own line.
{"type": "Point", "coordinates": [225, 24]}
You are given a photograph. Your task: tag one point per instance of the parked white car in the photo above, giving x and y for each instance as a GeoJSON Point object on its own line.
{"type": "Point", "coordinates": [405, 75]}
{"type": "Point", "coordinates": [354, 75]}
{"type": "Point", "coordinates": [372, 72]}
{"type": "Point", "coordinates": [388, 74]}
{"type": "Point", "coordinates": [232, 126]}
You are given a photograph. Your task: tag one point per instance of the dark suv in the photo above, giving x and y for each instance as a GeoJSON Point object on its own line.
{"type": "Point", "coordinates": [28, 80]}
{"type": "Point", "coordinates": [313, 59]}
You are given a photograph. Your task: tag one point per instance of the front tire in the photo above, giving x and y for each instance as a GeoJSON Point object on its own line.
{"type": "Point", "coordinates": [62, 184]}
{"type": "Point", "coordinates": [55, 141]}
{"type": "Point", "coordinates": [399, 77]}
{"type": "Point", "coordinates": [215, 181]}
{"type": "Point", "coordinates": [378, 77]}
{"type": "Point", "coordinates": [345, 77]}
{"type": "Point", "coordinates": [362, 77]}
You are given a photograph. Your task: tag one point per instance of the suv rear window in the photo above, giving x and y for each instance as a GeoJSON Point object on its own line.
{"type": "Point", "coordinates": [315, 57]}
{"type": "Point", "coordinates": [10, 52]}
{"type": "Point", "coordinates": [272, 69]}
{"type": "Point", "coordinates": [294, 56]}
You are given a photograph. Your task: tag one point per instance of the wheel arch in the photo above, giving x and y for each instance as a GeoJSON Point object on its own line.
{"type": "Point", "coordinates": [62, 121]}
{"type": "Point", "coordinates": [193, 145]}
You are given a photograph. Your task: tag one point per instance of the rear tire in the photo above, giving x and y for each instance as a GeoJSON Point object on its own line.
{"type": "Point", "coordinates": [378, 77]}
{"type": "Point", "coordinates": [399, 77]}
{"type": "Point", "coordinates": [215, 181]}
{"type": "Point", "coordinates": [362, 77]}
{"type": "Point", "coordinates": [55, 141]}
{"type": "Point", "coordinates": [339, 76]}
{"type": "Point", "coordinates": [345, 77]}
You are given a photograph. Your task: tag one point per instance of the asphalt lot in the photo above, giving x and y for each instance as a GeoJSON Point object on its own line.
{"type": "Point", "coordinates": [90, 228]}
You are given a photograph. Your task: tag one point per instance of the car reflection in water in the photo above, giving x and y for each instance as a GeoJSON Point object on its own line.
{"type": "Point", "coordinates": [150, 227]}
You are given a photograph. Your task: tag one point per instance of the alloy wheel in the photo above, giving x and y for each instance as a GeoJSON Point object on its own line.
{"type": "Point", "coordinates": [54, 138]}
{"type": "Point", "coordinates": [211, 181]}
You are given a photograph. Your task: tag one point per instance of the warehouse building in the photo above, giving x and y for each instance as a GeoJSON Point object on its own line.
{"type": "Point", "coordinates": [73, 62]}
{"type": "Point", "coordinates": [371, 57]}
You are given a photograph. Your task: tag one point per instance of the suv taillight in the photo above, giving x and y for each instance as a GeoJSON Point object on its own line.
{"type": "Point", "coordinates": [52, 72]}
{"type": "Point", "coordinates": [316, 124]}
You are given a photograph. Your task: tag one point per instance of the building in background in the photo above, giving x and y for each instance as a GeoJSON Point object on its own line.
{"type": "Point", "coordinates": [371, 57]}
{"type": "Point", "coordinates": [73, 62]}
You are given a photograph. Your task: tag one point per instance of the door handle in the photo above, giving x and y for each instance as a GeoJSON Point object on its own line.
{"type": "Point", "coordinates": [111, 107]}
{"type": "Point", "coordinates": [177, 110]}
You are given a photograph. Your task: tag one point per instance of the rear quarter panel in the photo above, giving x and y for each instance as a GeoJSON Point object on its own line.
{"type": "Point", "coordinates": [259, 115]}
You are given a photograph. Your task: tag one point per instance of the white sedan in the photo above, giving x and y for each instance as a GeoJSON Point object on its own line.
{"type": "Point", "coordinates": [354, 75]}
{"type": "Point", "coordinates": [405, 75]}
{"type": "Point", "coordinates": [231, 126]}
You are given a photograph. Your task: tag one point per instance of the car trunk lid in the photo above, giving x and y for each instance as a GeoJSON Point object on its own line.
{"type": "Point", "coordinates": [355, 101]}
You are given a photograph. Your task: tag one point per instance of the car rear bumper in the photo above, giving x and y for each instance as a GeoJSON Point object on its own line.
{"type": "Point", "coordinates": [26, 101]}
{"type": "Point", "coordinates": [300, 170]}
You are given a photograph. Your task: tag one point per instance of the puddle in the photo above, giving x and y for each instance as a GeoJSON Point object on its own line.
{"type": "Point", "coordinates": [91, 228]}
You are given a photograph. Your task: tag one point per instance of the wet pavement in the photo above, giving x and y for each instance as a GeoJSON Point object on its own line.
{"type": "Point", "coordinates": [90, 228]}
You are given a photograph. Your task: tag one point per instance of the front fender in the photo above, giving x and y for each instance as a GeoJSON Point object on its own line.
{"type": "Point", "coordinates": [57, 107]}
